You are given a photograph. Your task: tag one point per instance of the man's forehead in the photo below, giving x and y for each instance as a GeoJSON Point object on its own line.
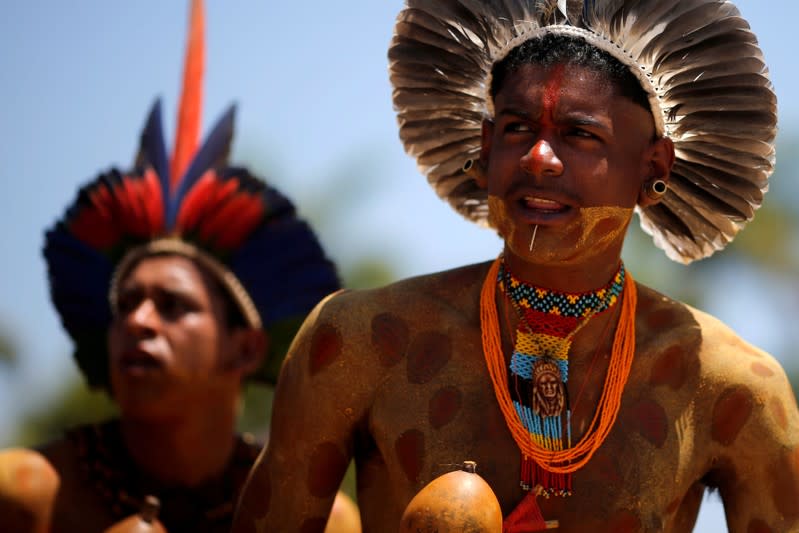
{"type": "Point", "coordinates": [572, 82]}
{"type": "Point", "coordinates": [174, 271]}
{"type": "Point", "coordinates": [532, 90]}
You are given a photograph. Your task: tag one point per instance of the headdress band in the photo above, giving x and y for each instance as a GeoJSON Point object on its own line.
{"type": "Point", "coordinates": [603, 43]}
{"type": "Point", "coordinates": [170, 245]}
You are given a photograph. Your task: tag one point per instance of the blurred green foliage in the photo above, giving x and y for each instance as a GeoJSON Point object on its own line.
{"type": "Point", "coordinates": [8, 351]}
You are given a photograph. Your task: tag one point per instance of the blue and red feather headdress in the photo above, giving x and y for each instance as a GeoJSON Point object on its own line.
{"type": "Point", "coordinates": [244, 232]}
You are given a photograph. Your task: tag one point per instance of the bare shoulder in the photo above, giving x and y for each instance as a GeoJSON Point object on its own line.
{"type": "Point", "coordinates": [714, 355]}
{"type": "Point", "coordinates": [355, 339]}
{"type": "Point", "coordinates": [729, 361]}
{"type": "Point", "coordinates": [388, 315]}
{"type": "Point", "coordinates": [753, 403]}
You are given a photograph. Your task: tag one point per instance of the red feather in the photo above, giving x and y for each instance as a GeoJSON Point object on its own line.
{"type": "Point", "coordinates": [133, 206]}
{"type": "Point", "coordinates": [195, 201]}
{"type": "Point", "coordinates": [153, 201]}
{"type": "Point", "coordinates": [217, 228]}
{"type": "Point", "coordinates": [189, 115]}
{"type": "Point", "coordinates": [240, 227]}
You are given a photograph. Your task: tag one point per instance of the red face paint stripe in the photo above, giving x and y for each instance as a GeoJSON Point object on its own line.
{"type": "Point", "coordinates": [551, 95]}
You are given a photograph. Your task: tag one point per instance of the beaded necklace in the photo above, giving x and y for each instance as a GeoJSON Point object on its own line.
{"type": "Point", "coordinates": [534, 396]}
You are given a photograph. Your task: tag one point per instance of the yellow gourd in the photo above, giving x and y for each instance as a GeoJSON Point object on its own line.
{"type": "Point", "coordinates": [457, 502]}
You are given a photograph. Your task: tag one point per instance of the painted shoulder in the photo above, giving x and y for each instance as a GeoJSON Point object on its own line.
{"type": "Point", "coordinates": [429, 297]}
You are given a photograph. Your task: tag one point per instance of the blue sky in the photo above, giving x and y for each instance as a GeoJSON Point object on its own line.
{"type": "Point", "coordinates": [310, 80]}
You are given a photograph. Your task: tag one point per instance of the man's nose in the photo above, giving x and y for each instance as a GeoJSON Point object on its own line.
{"type": "Point", "coordinates": [541, 160]}
{"type": "Point", "coordinates": [144, 318]}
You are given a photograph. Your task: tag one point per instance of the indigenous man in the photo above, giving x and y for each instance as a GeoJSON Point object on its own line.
{"type": "Point", "coordinates": [176, 280]}
{"type": "Point", "coordinates": [567, 116]}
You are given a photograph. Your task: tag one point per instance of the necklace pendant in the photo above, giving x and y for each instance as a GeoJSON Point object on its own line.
{"type": "Point", "coordinates": [549, 395]}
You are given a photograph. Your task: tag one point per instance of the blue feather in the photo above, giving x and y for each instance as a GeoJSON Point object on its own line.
{"type": "Point", "coordinates": [214, 152]}
{"type": "Point", "coordinates": [153, 147]}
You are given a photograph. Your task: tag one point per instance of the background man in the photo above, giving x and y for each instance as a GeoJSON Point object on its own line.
{"type": "Point", "coordinates": [577, 117]}
{"type": "Point", "coordinates": [176, 280]}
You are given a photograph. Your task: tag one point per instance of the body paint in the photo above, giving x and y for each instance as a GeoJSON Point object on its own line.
{"type": "Point", "coordinates": [592, 231]}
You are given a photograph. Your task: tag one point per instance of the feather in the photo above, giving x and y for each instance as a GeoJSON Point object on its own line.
{"type": "Point", "coordinates": [190, 109]}
{"type": "Point", "coordinates": [251, 229]}
{"type": "Point", "coordinates": [213, 153]}
{"type": "Point", "coordinates": [152, 148]}
{"type": "Point", "coordinates": [195, 201]}
{"type": "Point", "coordinates": [698, 56]}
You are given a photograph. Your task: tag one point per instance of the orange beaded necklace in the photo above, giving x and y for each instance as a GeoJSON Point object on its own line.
{"type": "Point", "coordinates": [568, 460]}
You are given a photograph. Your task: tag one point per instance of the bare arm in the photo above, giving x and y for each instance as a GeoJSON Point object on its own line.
{"type": "Point", "coordinates": [323, 392]}
{"type": "Point", "coordinates": [755, 429]}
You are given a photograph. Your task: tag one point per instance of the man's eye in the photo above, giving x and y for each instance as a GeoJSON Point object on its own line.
{"type": "Point", "coordinates": [172, 306]}
{"type": "Point", "coordinates": [126, 303]}
{"type": "Point", "coordinates": [577, 132]}
{"type": "Point", "coordinates": [517, 127]}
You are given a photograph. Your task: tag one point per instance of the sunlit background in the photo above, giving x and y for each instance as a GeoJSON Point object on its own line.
{"type": "Point", "coordinates": [315, 118]}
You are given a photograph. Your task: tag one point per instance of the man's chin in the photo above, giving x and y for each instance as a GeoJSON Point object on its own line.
{"type": "Point", "coordinates": [596, 232]}
{"type": "Point", "coordinates": [152, 400]}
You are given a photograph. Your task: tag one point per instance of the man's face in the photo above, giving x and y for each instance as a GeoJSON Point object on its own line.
{"type": "Point", "coordinates": [548, 382]}
{"type": "Point", "coordinates": [168, 342]}
{"type": "Point", "coordinates": [567, 154]}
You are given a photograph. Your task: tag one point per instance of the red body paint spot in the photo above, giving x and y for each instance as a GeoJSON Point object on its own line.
{"type": "Point", "coordinates": [650, 421]}
{"type": "Point", "coordinates": [428, 354]}
{"type": "Point", "coordinates": [313, 525]}
{"type": "Point", "coordinates": [326, 469]}
{"type": "Point", "coordinates": [624, 522]}
{"type": "Point", "coordinates": [670, 368]}
{"type": "Point", "coordinates": [778, 412]}
{"type": "Point", "coordinates": [443, 407]}
{"type": "Point", "coordinates": [325, 347]}
{"type": "Point", "coordinates": [607, 469]}
{"type": "Point", "coordinates": [758, 526]}
{"type": "Point", "coordinates": [410, 452]}
{"type": "Point", "coordinates": [761, 370]}
{"type": "Point", "coordinates": [389, 338]}
{"type": "Point", "coordinates": [785, 489]}
{"type": "Point", "coordinates": [730, 413]}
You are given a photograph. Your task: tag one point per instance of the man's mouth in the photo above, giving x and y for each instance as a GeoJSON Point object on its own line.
{"type": "Point", "coordinates": [138, 362]}
{"type": "Point", "coordinates": [542, 205]}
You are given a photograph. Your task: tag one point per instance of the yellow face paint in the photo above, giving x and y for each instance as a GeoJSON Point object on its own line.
{"type": "Point", "coordinates": [591, 232]}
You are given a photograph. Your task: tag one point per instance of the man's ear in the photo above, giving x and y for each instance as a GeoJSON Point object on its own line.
{"type": "Point", "coordinates": [659, 161]}
{"type": "Point", "coordinates": [250, 345]}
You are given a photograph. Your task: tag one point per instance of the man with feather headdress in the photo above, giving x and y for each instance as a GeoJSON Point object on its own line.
{"type": "Point", "coordinates": [177, 280]}
{"type": "Point", "coordinates": [588, 401]}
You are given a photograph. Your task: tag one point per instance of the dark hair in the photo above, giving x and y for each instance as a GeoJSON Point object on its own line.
{"type": "Point", "coordinates": [552, 49]}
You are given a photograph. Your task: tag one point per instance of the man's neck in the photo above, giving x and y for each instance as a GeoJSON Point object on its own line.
{"type": "Point", "coordinates": [185, 451]}
{"type": "Point", "coordinates": [572, 278]}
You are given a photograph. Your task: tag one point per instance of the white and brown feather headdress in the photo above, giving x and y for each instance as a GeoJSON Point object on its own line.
{"type": "Point", "coordinates": [698, 61]}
